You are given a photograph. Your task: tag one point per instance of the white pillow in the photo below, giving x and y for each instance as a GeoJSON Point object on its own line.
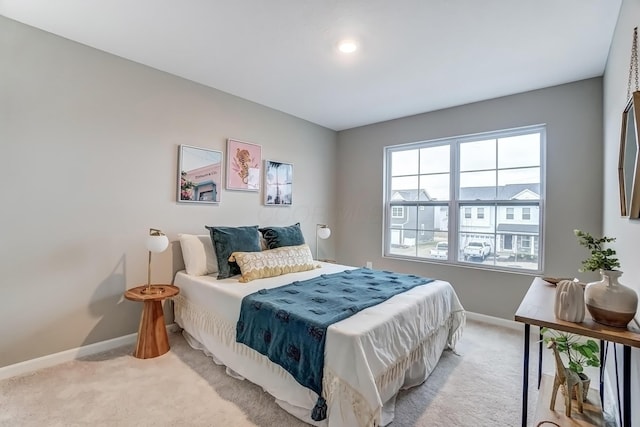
{"type": "Point", "coordinates": [198, 254]}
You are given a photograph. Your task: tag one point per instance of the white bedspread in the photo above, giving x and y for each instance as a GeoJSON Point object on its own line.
{"type": "Point", "coordinates": [368, 357]}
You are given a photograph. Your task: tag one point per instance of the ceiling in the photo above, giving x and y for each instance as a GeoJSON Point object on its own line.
{"type": "Point", "coordinates": [414, 56]}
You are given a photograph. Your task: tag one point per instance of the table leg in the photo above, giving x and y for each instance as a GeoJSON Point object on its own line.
{"type": "Point", "coordinates": [525, 374]}
{"type": "Point", "coordinates": [602, 370]}
{"type": "Point", "coordinates": [626, 386]}
{"type": "Point", "coordinates": [152, 332]}
{"type": "Point", "coordinates": [540, 360]}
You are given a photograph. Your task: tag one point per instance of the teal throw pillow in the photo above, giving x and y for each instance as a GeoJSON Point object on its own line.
{"type": "Point", "coordinates": [277, 237]}
{"type": "Point", "coordinates": [227, 240]}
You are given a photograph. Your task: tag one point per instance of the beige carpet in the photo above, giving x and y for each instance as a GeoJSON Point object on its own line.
{"type": "Point", "coordinates": [481, 386]}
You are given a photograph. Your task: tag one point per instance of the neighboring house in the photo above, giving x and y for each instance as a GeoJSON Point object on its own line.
{"type": "Point", "coordinates": [510, 230]}
{"type": "Point", "coordinates": [411, 225]}
{"type": "Point", "coordinates": [516, 227]}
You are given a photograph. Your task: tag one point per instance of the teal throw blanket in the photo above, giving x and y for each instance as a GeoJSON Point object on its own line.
{"type": "Point", "coordinates": [288, 324]}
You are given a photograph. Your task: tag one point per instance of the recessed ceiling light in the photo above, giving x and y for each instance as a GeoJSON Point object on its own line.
{"type": "Point", "coordinates": [347, 46]}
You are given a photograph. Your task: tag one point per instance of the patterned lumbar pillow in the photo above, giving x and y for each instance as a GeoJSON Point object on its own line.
{"type": "Point", "coordinates": [273, 262]}
{"type": "Point", "coordinates": [277, 237]}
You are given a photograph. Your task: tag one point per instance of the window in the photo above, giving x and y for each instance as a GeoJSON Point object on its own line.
{"type": "Point", "coordinates": [397, 212]}
{"type": "Point", "coordinates": [510, 213]}
{"type": "Point", "coordinates": [438, 185]}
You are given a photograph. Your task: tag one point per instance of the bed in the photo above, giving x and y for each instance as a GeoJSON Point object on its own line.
{"type": "Point", "coordinates": [368, 357]}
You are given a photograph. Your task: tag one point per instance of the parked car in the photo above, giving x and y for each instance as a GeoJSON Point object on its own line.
{"type": "Point", "coordinates": [476, 249]}
{"type": "Point", "coordinates": [441, 251]}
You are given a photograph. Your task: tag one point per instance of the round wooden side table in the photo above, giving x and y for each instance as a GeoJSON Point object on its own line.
{"type": "Point", "coordinates": [152, 332]}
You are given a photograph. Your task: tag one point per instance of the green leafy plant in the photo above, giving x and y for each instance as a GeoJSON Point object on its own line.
{"type": "Point", "coordinates": [579, 354]}
{"type": "Point", "coordinates": [601, 257]}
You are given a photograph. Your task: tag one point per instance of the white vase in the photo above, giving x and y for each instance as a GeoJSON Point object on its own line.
{"type": "Point", "coordinates": [569, 303]}
{"type": "Point", "coordinates": [610, 302]}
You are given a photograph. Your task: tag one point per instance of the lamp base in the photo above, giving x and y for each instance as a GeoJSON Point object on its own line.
{"type": "Point", "coordinates": [153, 290]}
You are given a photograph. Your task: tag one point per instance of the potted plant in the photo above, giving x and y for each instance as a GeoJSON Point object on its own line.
{"type": "Point", "coordinates": [578, 353]}
{"type": "Point", "coordinates": [609, 302]}
{"type": "Point", "coordinates": [601, 258]}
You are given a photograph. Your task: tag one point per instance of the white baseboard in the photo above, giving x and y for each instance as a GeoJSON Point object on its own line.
{"type": "Point", "coordinates": [68, 355]}
{"type": "Point", "coordinates": [498, 321]}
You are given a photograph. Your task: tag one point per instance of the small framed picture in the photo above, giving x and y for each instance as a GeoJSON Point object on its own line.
{"type": "Point", "coordinates": [199, 175]}
{"type": "Point", "coordinates": [278, 181]}
{"type": "Point", "coordinates": [244, 160]}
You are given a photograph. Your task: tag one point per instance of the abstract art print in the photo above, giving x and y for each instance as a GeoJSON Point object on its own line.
{"type": "Point", "coordinates": [278, 180]}
{"type": "Point", "coordinates": [243, 165]}
{"type": "Point", "coordinates": [199, 175]}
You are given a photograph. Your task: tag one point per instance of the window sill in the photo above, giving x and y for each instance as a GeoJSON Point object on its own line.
{"type": "Point", "coordinates": [469, 265]}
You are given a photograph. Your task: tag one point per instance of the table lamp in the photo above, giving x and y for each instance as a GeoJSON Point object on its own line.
{"type": "Point", "coordinates": [323, 232]}
{"type": "Point", "coordinates": [156, 242]}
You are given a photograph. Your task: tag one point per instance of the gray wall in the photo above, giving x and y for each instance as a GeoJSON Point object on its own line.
{"type": "Point", "coordinates": [89, 158]}
{"type": "Point", "coordinates": [88, 164]}
{"type": "Point", "coordinates": [627, 232]}
{"type": "Point", "coordinates": [573, 114]}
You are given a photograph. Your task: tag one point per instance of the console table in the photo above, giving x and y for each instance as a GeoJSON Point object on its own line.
{"type": "Point", "coordinates": [537, 309]}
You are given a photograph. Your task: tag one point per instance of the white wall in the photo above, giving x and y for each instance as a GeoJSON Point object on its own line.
{"type": "Point", "coordinates": [573, 115]}
{"type": "Point", "coordinates": [88, 164]}
{"type": "Point", "coordinates": [627, 232]}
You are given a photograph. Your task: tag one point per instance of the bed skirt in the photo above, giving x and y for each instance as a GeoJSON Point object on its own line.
{"type": "Point", "coordinates": [346, 406]}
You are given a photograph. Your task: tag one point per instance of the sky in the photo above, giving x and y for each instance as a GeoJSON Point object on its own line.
{"type": "Point", "coordinates": [511, 160]}
{"type": "Point", "coordinates": [193, 157]}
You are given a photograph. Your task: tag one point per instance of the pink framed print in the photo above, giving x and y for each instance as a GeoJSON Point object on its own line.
{"type": "Point", "coordinates": [244, 160]}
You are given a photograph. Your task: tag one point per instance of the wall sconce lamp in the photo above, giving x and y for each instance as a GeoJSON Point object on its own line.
{"type": "Point", "coordinates": [156, 242]}
{"type": "Point", "coordinates": [323, 232]}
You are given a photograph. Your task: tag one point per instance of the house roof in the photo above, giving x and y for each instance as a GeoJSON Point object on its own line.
{"type": "Point", "coordinates": [518, 228]}
{"type": "Point", "coordinates": [410, 195]}
{"type": "Point", "coordinates": [505, 192]}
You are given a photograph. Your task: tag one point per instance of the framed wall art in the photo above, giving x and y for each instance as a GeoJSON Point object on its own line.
{"type": "Point", "coordinates": [244, 161]}
{"type": "Point", "coordinates": [629, 159]}
{"type": "Point", "coordinates": [278, 181]}
{"type": "Point", "coordinates": [199, 175]}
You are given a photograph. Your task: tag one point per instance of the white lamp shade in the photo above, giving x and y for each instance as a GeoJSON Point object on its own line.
{"type": "Point", "coordinates": [157, 243]}
{"type": "Point", "coordinates": [324, 232]}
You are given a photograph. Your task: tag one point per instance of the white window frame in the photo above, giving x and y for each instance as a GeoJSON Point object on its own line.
{"type": "Point", "coordinates": [398, 208]}
{"type": "Point", "coordinates": [510, 213]}
{"type": "Point", "coordinates": [455, 204]}
{"type": "Point", "coordinates": [480, 213]}
{"type": "Point", "coordinates": [468, 213]}
{"type": "Point", "coordinates": [526, 217]}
